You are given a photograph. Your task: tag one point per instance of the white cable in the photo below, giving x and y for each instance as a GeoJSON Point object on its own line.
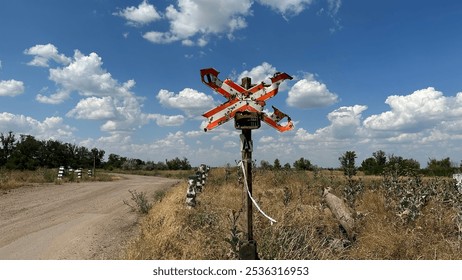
{"type": "Point", "coordinates": [251, 198]}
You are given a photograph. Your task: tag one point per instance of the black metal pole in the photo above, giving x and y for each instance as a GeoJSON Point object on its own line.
{"type": "Point", "coordinates": [247, 161]}
{"type": "Point", "coordinates": [248, 251]}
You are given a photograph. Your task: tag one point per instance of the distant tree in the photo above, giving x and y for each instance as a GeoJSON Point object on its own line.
{"type": "Point", "coordinates": [380, 158]}
{"type": "Point", "coordinates": [97, 157]}
{"type": "Point", "coordinates": [441, 167]}
{"type": "Point", "coordinates": [265, 165]}
{"type": "Point", "coordinates": [302, 164]}
{"type": "Point", "coordinates": [375, 164]}
{"type": "Point", "coordinates": [160, 166]}
{"type": "Point", "coordinates": [287, 166]}
{"type": "Point", "coordinates": [178, 164]}
{"type": "Point", "coordinates": [411, 165]}
{"type": "Point", "coordinates": [277, 164]}
{"type": "Point", "coordinates": [131, 164]}
{"type": "Point", "coordinates": [7, 145]}
{"type": "Point", "coordinates": [115, 161]}
{"type": "Point", "coordinates": [401, 166]}
{"type": "Point", "coordinates": [347, 163]}
{"type": "Point", "coordinates": [149, 165]}
{"type": "Point", "coordinates": [369, 166]}
{"type": "Point", "coordinates": [26, 154]}
{"type": "Point", "coordinates": [55, 154]}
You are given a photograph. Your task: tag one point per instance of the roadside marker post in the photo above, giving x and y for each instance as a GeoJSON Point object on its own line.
{"type": "Point", "coordinates": [191, 192]}
{"type": "Point", "coordinates": [60, 172]}
{"type": "Point", "coordinates": [245, 104]}
{"type": "Point", "coordinates": [78, 171]}
{"type": "Point", "coordinates": [199, 184]}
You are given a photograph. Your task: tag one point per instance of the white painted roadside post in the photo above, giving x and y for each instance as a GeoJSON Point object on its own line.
{"type": "Point", "coordinates": [60, 172]}
{"type": "Point", "coordinates": [79, 173]}
{"type": "Point", "coordinates": [458, 178]}
{"type": "Point", "coordinates": [196, 185]}
{"type": "Point", "coordinates": [245, 104]}
{"type": "Point", "coordinates": [202, 171]}
{"type": "Point", "coordinates": [191, 192]}
{"type": "Point", "coordinates": [199, 185]}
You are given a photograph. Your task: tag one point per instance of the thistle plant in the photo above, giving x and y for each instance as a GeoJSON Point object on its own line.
{"type": "Point", "coordinates": [235, 237]}
{"type": "Point", "coordinates": [410, 192]}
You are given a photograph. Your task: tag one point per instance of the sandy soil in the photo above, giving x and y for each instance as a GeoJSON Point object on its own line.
{"type": "Point", "coordinates": [77, 221]}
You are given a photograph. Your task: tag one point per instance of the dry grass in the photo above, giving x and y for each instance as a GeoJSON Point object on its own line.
{"type": "Point", "coordinates": [10, 179]}
{"type": "Point", "coordinates": [180, 174]}
{"type": "Point", "coordinates": [305, 228]}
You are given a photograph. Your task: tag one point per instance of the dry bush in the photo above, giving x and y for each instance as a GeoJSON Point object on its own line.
{"type": "Point", "coordinates": [140, 203]}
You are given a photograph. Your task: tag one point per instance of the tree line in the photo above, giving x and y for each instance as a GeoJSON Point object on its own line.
{"type": "Point", "coordinates": [118, 162]}
{"type": "Point", "coordinates": [378, 164]}
{"type": "Point", "coordinates": [27, 153]}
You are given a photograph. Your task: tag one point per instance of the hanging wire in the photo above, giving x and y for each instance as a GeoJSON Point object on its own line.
{"type": "Point", "coordinates": [241, 164]}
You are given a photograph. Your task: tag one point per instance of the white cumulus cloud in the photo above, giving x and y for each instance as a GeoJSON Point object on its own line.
{"type": "Point", "coordinates": [94, 108]}
{"type": "Point", "coordinates": [44, 53]}
{"type": "Point", "coordinates": [421, 109]}
{"type": "Point", "coordinates": [260, 73]}
{"type": "Point", "coordinates": [11, 88]}
{"type": "Point", "coordinates": [164, 120]}
{"type": "Point", "coordinates": [309, 93]}
{"type": "Point", "coordinates": [194, 22]}
{"type": "Point", "coordinates": [105, 98]}
{"type": "Point", "coordinates": [55, 98]}
{"type": "Point", "coordinates": [190, 101]}
{"type": "Point", "coordinates": [86, 76]}
{"type": "Point", "coordinates": [345, 121]}
{"type": "Point", "coordinates": [191, 21]}
{"type": "Point", "coordinates": [50, 128]}
{"type": "Point", "coordinates": [143, 14]}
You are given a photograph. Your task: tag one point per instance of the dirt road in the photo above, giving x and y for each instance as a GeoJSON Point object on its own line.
{"type": "Point", "coordinates": [78, 221]}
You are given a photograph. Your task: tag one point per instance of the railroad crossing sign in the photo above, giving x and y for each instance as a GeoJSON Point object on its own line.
{"type": "Point", "coordinates": [245, 105]}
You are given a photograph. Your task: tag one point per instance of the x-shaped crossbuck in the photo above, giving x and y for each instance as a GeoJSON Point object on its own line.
{"type": "Point", "coordinates": [241, 100]}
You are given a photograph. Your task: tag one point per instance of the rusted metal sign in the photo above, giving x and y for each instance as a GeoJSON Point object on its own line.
{"type": "Point", "coordinates": [246, 105]}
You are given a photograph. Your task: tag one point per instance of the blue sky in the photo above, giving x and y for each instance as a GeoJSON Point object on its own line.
{"type": "Point", "coordinates": [123, 76]}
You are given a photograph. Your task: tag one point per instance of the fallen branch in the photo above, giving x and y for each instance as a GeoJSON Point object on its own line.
{"type": "Point", "coordinates": [341, 212]}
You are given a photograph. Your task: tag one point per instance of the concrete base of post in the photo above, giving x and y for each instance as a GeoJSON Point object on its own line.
{"type": "Point", "coordinates": [248, 250]}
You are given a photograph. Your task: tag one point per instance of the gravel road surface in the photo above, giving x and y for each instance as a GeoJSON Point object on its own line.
{"type": "Point", "coordinates": [77, 221]}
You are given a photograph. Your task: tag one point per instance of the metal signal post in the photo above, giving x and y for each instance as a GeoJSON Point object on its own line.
{"type": "Point", "coordinates": [248, 250]}
{"type": "Point", "coordinates": [245, 104]}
